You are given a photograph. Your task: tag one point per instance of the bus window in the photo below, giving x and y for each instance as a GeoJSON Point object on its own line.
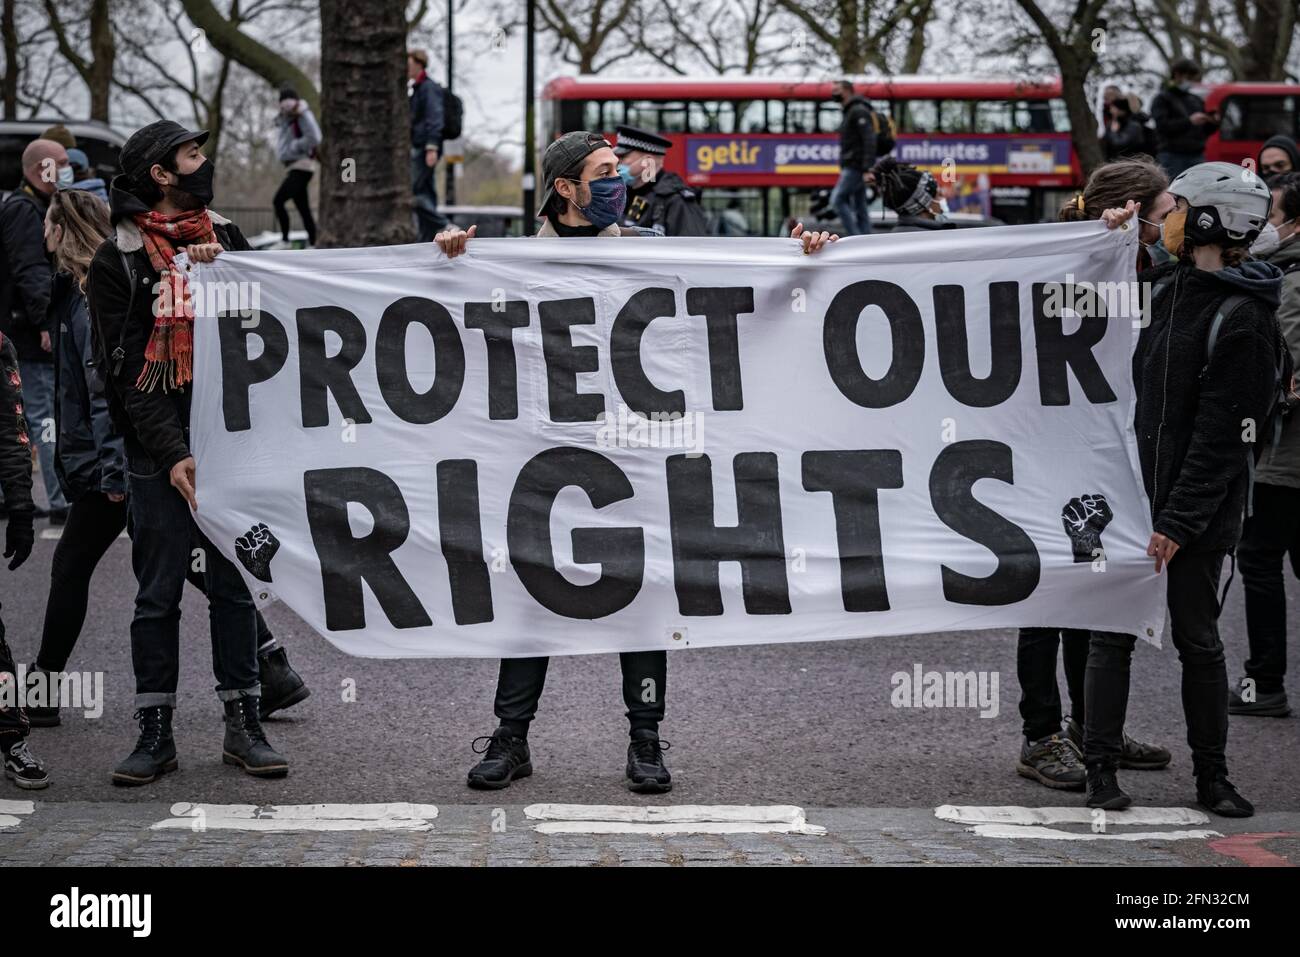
{"type": "Point", "coordinates": [775, 116]}
{"type": "Point", "coordinates": [800, 116]}
{"type": "Point", "coordinates": [643, 115]}
{"type": "Point", "coordinates": [993, 116]}
{"type": "Point", "coordinates": [591, 115]}
{"type": "Point", "coordinates": [954, 116]}
{"type": "Point", "coordinates": [1031, 116]}
{"type": "Point", "coordinates": [672, 119]}
{"type": "Point", "coordinates": [613, 114]}
{"type": "Point", "coordinates": [918, 116]}
{"type": "Point", "coordinates": [830, 117]}
{"type": "Point", "coordinates": [751, 116]}
{"type": "Point", "coordinates": [710, 116]}
{"type": "Point", "coordinates": [1258, 117]}
{"type": "Point", "coordinates": [1060, 116]}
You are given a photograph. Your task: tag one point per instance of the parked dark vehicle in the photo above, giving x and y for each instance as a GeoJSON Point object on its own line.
{"type": "Point", "coordinates": [99, 141]}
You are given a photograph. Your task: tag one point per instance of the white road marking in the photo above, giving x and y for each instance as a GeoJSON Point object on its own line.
{"type": "Point", "coordinates": [670, 819]}
{"type": "Point", "coordinates": [10, 809]}
{"type": "Point", "coordinates": [1148, 816]}
{"type": "Point", "coordinates": [300, 817]}
{"type": "Point", "coordinates": [1052, 834]}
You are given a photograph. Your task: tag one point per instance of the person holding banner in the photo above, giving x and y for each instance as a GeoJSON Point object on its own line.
{"type": "Point", "coordinates": [583, 195]}
{"type": "Point", "coordinates": [1201, 397]}
{"type": "Point", "coordinates": [140, 303]}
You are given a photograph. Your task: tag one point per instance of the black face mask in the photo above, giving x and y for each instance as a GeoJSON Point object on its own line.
{"type": "Point", "coordinates": [198, 183]}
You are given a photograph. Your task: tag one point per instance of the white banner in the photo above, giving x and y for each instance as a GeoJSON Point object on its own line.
{"type": "Point", "coordinates": [911, 433]}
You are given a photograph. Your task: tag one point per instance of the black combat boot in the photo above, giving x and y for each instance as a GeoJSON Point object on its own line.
{"type": "Point", "coordinates": [155, 751]}
{"type": "Point", "coordinates": [281, 685]}
{"type": "Point", "coordinates": [246, 745]}
{"type": "Point", "coordinates": [1104, 791]}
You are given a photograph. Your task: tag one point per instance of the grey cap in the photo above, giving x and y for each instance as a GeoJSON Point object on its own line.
{"type": "Point", "coordinates": [563, 158]}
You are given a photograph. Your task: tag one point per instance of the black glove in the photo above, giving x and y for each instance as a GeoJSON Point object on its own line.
{"type": "Point", "coordinates": [19, 537]}
{"type": "Point", "coordinates": [1085, 518]}
{"type": "Point", "coordinates": [255, 549]}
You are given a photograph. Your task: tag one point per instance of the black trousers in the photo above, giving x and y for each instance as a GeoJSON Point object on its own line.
{"type": "Point", "coordinates": [294, 188]}
{"type": "Point", "coordinates": [1271, 532]}
{"type": "Point", "coordinates": [93, 524]}
{"type": "Point", "coordinates": [1193, 596]}
{"type": "Point", "coordinates": [645, 678]}
{"type": "Point", "coordinates": [13, 721]}
{"type": "Point", "coordinates": [1040, 698]}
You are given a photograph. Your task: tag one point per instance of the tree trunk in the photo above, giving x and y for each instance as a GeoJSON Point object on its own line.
{"type": "Point", "coordinates": [227, 39]}
{"type": "Point", "coordinates": [9, 90]}
{"type": "Point", "coordinates": [103, 52]}
{"type": "Point", "coordinates": [1083, 122]}
{"type": "Point", "coordinates": [365, 185]}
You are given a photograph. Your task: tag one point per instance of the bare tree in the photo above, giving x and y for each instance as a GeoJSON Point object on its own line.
{"type": "Point", "coordinates": [365, 183]}
{"type": "Point", "coordinates": [583, 30]}
{"type": "Point", "coordinates": [97, 72]}
{"type": "Point", "coordinates": [864, 33]}
{"type": "Point", "coordinates": [227, 37]}
{"type": "Point", "coordinates": [1252, 38]}
{"type": "Point", "coordinates": [9, 82]}
{"type": "Point", "coordinates": [723, 36]}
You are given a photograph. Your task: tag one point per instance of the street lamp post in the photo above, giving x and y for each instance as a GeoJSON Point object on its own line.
{"type": "Point", "coordinates": [450, 189]}
{"type": "Point", "coordinates": [530, 143]}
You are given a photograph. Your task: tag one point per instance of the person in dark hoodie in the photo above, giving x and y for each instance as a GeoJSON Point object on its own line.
{"type": "Point", "coordinates": [1278, 155]}
{"type": "Point", "coordinates": [139, 301]}
{"type": "Point", "coordinates": [1205, 372]}
{"type": "Point", "coordinates": [1124, 133]}
{"type": "Point", "coordinates": [1182, 125]}
{"type": "Point", "coordinates": [857, 156]}
{"type": "Point", "coordinates": [911, 193]}
{"type": "Point", "coordinates": [20, 765]}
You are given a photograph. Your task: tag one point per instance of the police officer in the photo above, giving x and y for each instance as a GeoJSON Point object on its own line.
{"type": "Point", "coordinates": [655, 198]}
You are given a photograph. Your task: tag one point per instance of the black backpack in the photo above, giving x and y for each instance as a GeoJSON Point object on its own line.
{"type": "Point", "coordinates": [453, 115]}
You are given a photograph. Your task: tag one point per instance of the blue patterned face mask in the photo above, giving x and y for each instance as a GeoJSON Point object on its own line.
{"type": "Point", "coordinates": [608, 196]}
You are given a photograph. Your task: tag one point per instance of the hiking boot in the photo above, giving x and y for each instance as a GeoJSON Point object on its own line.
{"type": "Point", "coordinates": [646, 773]}
{"type": "Point", "coordinates": [505, 757]}
{"type": "Point", "coordinates": [45, 715]}
{"type": "Point", "coordinates": [1053, 762]}
{"type": "Point", "coordinates": [281, 685]}
{"type": "Point", "coordinates": [1104, 791]}
{"type": "Point", "coordinates": [1215, 793]}
{"type": "Point", "coordinates": [155, 751]}
{"type": "Point", "coordinates": [1135, 755]}
{"type": "Point", "coordinates": [246, 745]}
{"type": "Point", "coordinates": [1267, 704]}
{"type": "Point", "coordinates": [23, 769]}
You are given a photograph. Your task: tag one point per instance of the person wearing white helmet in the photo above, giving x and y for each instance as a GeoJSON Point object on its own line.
{"type": "Point", "coordinates": [1206, 371]}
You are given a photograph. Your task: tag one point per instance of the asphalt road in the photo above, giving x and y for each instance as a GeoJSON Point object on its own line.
{"type": "Point", "coordinates": [810, 725]}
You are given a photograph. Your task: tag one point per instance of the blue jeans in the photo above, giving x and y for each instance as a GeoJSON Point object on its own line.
{"type": "Point", "coordinates": [849, 197]}
{"type": "Point", "coordinates": [38, 404]}
{"type": "Point", "coordinates": [164, 542]}
{"type": "Point", "coordinates": [425, 188]}
{"type": "Point", "coordinates": [1175, 163]}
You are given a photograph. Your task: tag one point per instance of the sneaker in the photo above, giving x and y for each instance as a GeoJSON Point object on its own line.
{"type": "Point", "coordinates": [1135, 756]}
{"type": "Point", "coordinates": [23, 769]}
{"type": "Point", "coordinates": [1216, 794]}
{"type": "Point", "coordinates": [281, 685]}
{"type": "Point", "coordinates": [505, 757]}
{"type": "Point", "coordinates": [1053, 762]}
{"type": "Point", "coordinates": [155, 751]}
{"type": "Point", "coordinates": [1104, 791]}
{"type": "Point", "coordinates": [646, 773]}
{"type": "Point", "coordinates": [1267, 704]}
{"type": "Point", "coordinates": [245, 745]}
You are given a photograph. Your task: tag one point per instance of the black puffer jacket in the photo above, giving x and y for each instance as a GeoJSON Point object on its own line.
{"type": "Point", "coordinates": [157, 420]}
{"type": "Point", "coordinates": [1172, 111]}
{"type": "Point", "coordinates": [87, 455]}
{"type": "Point", "coordinates": [15, 444]}
{"type": "Point", "coordinates": [25, 273]}
{"type": "Point", "coordinates": [1191, 416]}
{"type": "Point", "coordinates": [857, 136]}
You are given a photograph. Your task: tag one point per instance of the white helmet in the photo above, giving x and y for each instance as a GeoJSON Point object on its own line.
{"type": "Point", "coordinates": [1227, 204]}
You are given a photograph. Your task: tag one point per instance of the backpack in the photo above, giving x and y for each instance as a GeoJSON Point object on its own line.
{"type": "Point", "coordinates": [886, 132]}
{"type": "Point", "coordinates": [103, 366]}
{"type": "Point", "coordinates": [453, 115]}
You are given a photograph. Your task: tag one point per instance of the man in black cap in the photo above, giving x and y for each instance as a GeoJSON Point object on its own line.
{"type": "Point", "coordinates": [656, 198]}
{"type": "Point", "coordinates": [582, 195]}
{"type": "Point", "coordinates": [140, 304]}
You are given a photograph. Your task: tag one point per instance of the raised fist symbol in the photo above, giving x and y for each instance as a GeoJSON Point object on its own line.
{"type": "Point", "coordinates": [1085, 518]}
{"type": "Point", "coordinates": [255, 550]}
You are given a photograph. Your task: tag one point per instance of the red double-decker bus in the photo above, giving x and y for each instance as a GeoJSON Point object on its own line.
{"type": "Point", "coordinates": [1249, 113]}
{"type": "Point", "coordinates": [1000, 147]}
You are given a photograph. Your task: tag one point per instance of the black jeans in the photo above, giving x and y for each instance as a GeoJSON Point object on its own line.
{"type": "Point", "coordinates": [645, 678]}
{"type": "Point", "coordinates": [13, 721]}
{"type": "Point", "coordinates": [165, 542]}
{"type": "Point", "coordinates": [93, 525]}
{"type": "Point", "coordinates": [1271, 532]}
{"type": "Point", "coordinates": [294, 188]}
{"type": "Point", "coordinates": [425, 189]}
{"type": "Point", "coordinates": [1040, 698]}
{"type": "Point", "coordinates": [1193, 596]}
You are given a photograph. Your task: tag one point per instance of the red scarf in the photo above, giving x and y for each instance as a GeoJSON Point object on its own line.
{"type": "Point", "coordinates": [169, 355]}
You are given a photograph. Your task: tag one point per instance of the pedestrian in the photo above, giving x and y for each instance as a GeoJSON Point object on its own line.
{"type": "Point", "coordinates": [139, 301]}
{"type": "Point", "coordinates": [1278, 155]}
{"type": "Point", "coordinates": [657, 199]}
{"type": "Point", "coordinates": [582, 195]}
{"type": "Point", "coordinates": [913, 194]}
{"type": "Point", "coordinates": [426, 143]}
{"type": "Point", "coordinates": [1182, 125]}
{"type": "Point", "coordinates": [62, 135]}
{"type": "Point", "coordinates": [1051, 754]}
{"type": "Point", "coordinates": [1194, 391]}
{"type": "Point", "coordinates": [83, 176]}
{"type": "Point", "coordinates": [1273, 530]}
{"type": "Point", "coordinates": [297, 140]}
{"type": "Point", "coordinates": [1124, 133]}
{"type": "Point", "coordinates": [21, 766]}
{"type": "Point", "coordinates": [25, 277]}
{"type": "Point", "coordinates": [89, 462]}
{"type": "Point", "coordinates": [857, 156]}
